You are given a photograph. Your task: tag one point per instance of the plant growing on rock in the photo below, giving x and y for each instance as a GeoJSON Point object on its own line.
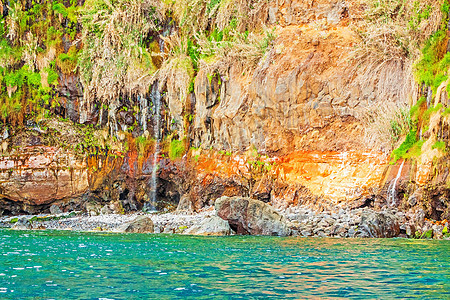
{"type": "Point", "coordinates": [114, 60]}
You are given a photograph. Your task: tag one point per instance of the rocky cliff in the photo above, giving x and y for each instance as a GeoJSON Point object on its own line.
{"type": "Point", "coordinates": [328, 104]}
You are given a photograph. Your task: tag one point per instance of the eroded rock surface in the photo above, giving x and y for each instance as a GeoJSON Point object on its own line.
{"type": "Point", "coordinates": [40, 174]}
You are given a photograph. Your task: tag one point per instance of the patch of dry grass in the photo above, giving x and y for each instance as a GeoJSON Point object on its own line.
{"type": "Point", "coordinates": [391, 37]}
{"type": "Point", "coordinates": [243, 51]}
{"type": "Point", "coordinates": [195, 16]}
{"type": "Point", "coordinates": [177, 71]}
{"type": "Point", "coordinates": [385, 124]}
{"type": "Point", "coordinates": [113, 62]}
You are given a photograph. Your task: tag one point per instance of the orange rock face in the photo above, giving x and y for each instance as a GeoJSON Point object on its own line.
{"type": "Point", "coordinates": [41, 174]}
{"type": "Point", "coordinates": [333, 176]}
{"type": "Point", "coordinates": [342, 176]}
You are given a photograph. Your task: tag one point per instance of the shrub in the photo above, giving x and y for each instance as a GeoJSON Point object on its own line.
{"type": "Point", "coordinates": [440, 145]}
{"type": "Point", "coordinates": [176, 149]}
{"type": "Point", "coordinates": [67, 62]}
{"type": "Point", "coordinates": [407, 144]}
{"type": "Point", "coordinates": [386, 124]}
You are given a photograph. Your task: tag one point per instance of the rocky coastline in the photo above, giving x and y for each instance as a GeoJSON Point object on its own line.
{"type": "Point", "coordinates": [245, 216]}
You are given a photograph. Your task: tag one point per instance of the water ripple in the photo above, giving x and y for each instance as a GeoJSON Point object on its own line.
{"type": "Point", "coordinates": [110, 266]}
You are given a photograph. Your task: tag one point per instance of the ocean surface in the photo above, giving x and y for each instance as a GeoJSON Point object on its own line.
{"type": "Point", "coordinates": [71, 265]}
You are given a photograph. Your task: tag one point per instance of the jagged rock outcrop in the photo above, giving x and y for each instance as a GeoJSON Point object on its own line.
{"type": "Point", "coordinates": [288, 130]}
{"type": "Point", "coordinates": [249, 216]}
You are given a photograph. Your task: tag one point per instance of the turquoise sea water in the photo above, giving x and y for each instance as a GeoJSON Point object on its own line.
{"type": "Point", "coordinates": [70, 265]}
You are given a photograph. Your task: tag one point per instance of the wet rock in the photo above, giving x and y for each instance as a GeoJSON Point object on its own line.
{"type": "Point", "coordinates": [419, 218]}
{"type": "Point", "coordinates": [351, 232]}
{"type": "Point", "coordinates": [415, 198]}
{"type": "Point", "coordinates": [168, 230]}
{"type": "Point", "coordinates": [22, 224]}
{"type": "Point", "coordinates": [378, 225]}
{"type": "Point", "coordinates": [211, 226]}
{"type": "Point", "coordinates": [113, 207]}
{"type": "Point", "coordinates": [410, 230]}
{"type": "Point", "coordinates": [142, 224]}
{"type": "Point", "coordinates": [306, 233]}
{"type": "Point", "coordinates": [249, 216]}
{"type": "Point", "coordinates": [437, 231]}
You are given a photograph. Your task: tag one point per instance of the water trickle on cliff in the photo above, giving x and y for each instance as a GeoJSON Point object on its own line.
{"type": "Point", "coordinates": [156, 99]}
{"type": "Point", "coordinates": [143, 107]}
{"type": "Point", "coordinates": [392, 193]}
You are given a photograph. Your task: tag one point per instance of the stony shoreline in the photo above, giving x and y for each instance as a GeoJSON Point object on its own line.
{"type": "Point", "coordinates": [76, 221]}
{"type": "Point", "coordinates": [300, 221]}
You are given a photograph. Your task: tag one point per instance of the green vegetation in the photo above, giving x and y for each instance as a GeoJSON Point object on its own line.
{"type": "Point", "coordinates": [440, 145]}
{"type": "Point", "coordinates": [430, 70]}
{"type": "Point", "coordinates": [114, 59]}
{"type": "Point", "coordinates": [427, 234]}
{"type": "Point", "coordinates": [446, 112]}
{"type": "Point", "coordinates": [118, 50]}
{"type": "Point", "coordinates": [415, 109]}
{"type": "Point", "coordinates": [177, 149]}
{"type": "Point", "coordinates": [409, 142]}
{"type": "Point", "coordinates": [421, 14]}
{"type": "Point", "coordinates": [213, 34]}
{"type": "Point", "coordinates": [67, 62]}
{"type": "Point", "coordinates": [31, 38]}
{"type": "Point", "coordinates": [142, 144]}
{"type": "Point", "coordinates": [432, 67]}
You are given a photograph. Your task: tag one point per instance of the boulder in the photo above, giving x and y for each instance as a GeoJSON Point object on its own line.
{"type": "Point", "coordinates": [55, 209]}
{"type": "Point", "coordinates": [114, 207]}
{"type": "Point", "coordinates": [378, 225]}
{"type": "Point", "coordinates": [92, 208]}
{"type": "Point", "coordinates": [213, 225]}
{"type": "Point", "coordinates": [437, 232]}
{"type": "Point", "coordinates": [142, 224]}
{"type": "Point", "coordinates": [249, 216]}
{"type": "Point", "coordinates": [22, 224]}
{"type": "Point", "coordinates": [185, 206]}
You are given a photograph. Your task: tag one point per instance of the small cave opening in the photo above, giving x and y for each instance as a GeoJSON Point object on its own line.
{"type": "Point", "coordinates": [167, 197]}
{"type": "Point", "coordinates": [123, 196]}
{"type": "Point", "coordinates": [368, 202]}
{"type": "Point", "coordinates": [6, 212]}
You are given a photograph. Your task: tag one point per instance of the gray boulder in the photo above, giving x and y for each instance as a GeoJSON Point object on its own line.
{"type": "Point", "coordinates": [22, 224]}
{"type": "Point", "coordinates": [55, 209]}
{"type": "Point", "coordinates": [210, 226]}
{"type": "Point", "coordinates": [378, 225]}
{"type": "Point", "coordinates": [142, 224]}
{"type": "Point", "coordinates": [185, 206]}
{"type": "Point", "coordinates": [249, 216]}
